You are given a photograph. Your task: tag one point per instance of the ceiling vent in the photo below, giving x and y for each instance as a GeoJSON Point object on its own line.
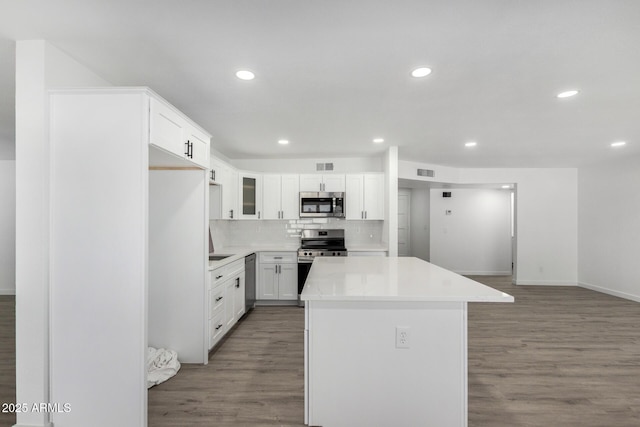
{"type": "Point", "coordinates": [324, 166]}
{"type": "Point", "coordinates": [426, 172]}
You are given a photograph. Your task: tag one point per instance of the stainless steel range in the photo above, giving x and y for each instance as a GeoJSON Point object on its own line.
{"type": "Point", "coordinates": [317, 243]}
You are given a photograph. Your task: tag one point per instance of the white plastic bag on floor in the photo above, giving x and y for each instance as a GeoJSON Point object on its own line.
{"type": "Point", "coordinates": [161, 365]}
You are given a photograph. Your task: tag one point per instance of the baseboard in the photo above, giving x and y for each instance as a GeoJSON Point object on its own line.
{"type": "Point", "coordinates": [544, 283]}
{"type": "Point", "coordinates": [34, 425]}
{"type": "Point", "coordinates": [483, 273]}
{"type": "Point", "coordinates": [7, 291]}
{"type": "Point", "coordinates": [611, 292]}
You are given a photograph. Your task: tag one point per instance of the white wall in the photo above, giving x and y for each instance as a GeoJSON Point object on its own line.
{"type": "Point", "coordinates": [7, 227]}
{"type": "Point", "coordinates": [340, 165]}
{"type": "Point", "coordinates": [475, 238]}
{"type": "Point", "coordinates": [39, 67]}
{"type": "Point", "coordinates": [546, 223]}
{"type": "Point", "coordinates": [390, 231]}
{"type": "Point", "coordinates": [609, 227]}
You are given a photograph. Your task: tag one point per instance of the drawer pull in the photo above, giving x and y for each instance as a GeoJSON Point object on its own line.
{"type": "Point", "coordinates": [218, 299]}
{"type": "Point", "coordinates": [218, 277]}
{"type": "Point", "coordinates": [218, 327]}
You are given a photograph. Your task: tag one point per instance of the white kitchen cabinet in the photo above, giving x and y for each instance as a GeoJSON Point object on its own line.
{"type": "Point", "coordinates": [278, 276]}
{"type": "Point", "coordinates": [280, 196]}
{"type": "Point", "coordinates": [322, 182]}
{"type": "Point", "coordinates": [249, 195]}
{"type": "Point", "coordinates": [229, 182]}
{"type": "Point", "coordinates": [226, 300]}
{"type": "Point", "coordinates": [172, 131]}
{"type": "Point", "coordinates": [365, 196]}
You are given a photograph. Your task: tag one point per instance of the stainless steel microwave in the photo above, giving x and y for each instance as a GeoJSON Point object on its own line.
{"type": "Point", "coordinates": [321, 205]}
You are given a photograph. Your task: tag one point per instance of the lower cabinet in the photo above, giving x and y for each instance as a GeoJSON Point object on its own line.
{"type": "Point", "coordinates": [278, 276]}
{"type": "Point", "coordinates": [226, 299]}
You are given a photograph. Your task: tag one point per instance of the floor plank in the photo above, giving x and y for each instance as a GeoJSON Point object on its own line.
{"type": "Point", "coordinates": [558, 356]}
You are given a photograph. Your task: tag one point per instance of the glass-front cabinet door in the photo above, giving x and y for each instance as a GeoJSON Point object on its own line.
{"type": "Point", "coordinates": [250, 195]}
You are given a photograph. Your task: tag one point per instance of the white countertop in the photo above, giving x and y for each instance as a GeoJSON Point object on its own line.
{"type": "Point", "coordinates": [374, 247]}
{"type": "Point", "coordinates": [391, 279]}
{"type": "Point", "coordinates": [238, 252]}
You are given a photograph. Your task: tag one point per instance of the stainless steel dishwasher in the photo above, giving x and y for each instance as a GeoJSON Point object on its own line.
{"type": "Point", "coordinates": [249, 282]}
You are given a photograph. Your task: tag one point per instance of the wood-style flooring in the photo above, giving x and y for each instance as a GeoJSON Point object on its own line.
{"type": "Point", "coordinates": [558, 356]}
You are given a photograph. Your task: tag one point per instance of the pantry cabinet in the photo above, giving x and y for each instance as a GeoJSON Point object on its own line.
{"type": "Point", "coordinates": [365, 196]}
{"type": "Point", "coordinates": [280, 196]}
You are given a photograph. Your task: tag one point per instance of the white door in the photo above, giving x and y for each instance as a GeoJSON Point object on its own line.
{"type": "Point", "coordinates": [404, 207]}
{"type": "Point", "coordinates": [353, 195]}
{"type": "Point", "coordinates": [333, 183]}
{"type": "Point", "coordinates": [288, 281]}
{"type": "Point", "coordinates": [373, 197]}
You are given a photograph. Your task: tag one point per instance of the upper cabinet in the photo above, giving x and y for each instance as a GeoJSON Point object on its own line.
{"type": "Point", "coordinates": [280, 196]}
{"type": "Point", "coordinates": [365, 196]}
{"type": "Point", "coordinates": [330, 183]}
{"type": "Point", "coordinates": [171, 131]}
{"type": "Point", "coordinates": [250, 195]}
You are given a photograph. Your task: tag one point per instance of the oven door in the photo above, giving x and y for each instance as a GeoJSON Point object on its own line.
{"type": "Point", "coordinates": [303, 271]}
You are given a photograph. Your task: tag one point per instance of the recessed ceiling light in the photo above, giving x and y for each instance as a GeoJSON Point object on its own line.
{"type": "Point", "coordinates": [567, 94]}
{"type": "Point", "coordinates": [283, 141]}
{"type": "Point", "coordinates": [245, 75]}
{"type": "Point", "coordinates": [378, 140]}
{"type": "Point", "coordinates": [618, 144]}
{"type": "Point", "coordinates": [421, 72]}
{"type": "Point", "coordinates": [470, 144]}
{"type": "Point", "coordinates": [506, 186]}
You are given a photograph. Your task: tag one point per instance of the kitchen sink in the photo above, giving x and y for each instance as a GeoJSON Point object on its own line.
{"type": "Point", "coordinates": [218, 257]}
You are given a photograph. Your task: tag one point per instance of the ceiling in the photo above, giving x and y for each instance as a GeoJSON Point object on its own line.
{"type": "Point", "coordinates": [333, 75]}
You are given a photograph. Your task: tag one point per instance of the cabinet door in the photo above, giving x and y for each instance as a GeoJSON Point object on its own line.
{"type": "Point", "coordinates": [199, 147]}
{"type": "Point", "coordinates": [229, 180]}
{"type": "Point", "coordinates": [238, 301]}
{"type": "Point", "coordinates": [373, 196]}
{"type": "Point", "coordinates": [353, 195]}
{"type": "Point", "coordinates": [166, 129]}
{"type": "Point", "coordinates": [311, 182]}
{"type": "Point", "coordinates": [290, 197]}
{"type": "Point", "coordinates": [288, 282]}
{"type": "Point", "coordinates": [333, 183]}
{"type": "Point", "coordinates": [250, 195]}
{"type": "Point", "coordinates": [229, 303]}
{"type": "Point", "coordinates": [267, 283]}
{"type": "Point", "coordinates": [271, 192]}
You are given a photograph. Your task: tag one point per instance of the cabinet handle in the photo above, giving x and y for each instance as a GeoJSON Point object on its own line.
{"type": "Point", "coordinates": [277, 257]}
{"type": "Point", "coordinates": [190, 150]}
{"type": "Point", "coordinates": [237, 282]}
{"type": "Point", "coordinates": [218, 299]}
{"type": "Point", "coordinates": [218, 277]}
{"type": "Point", "coordinates": [258, 214]}
{"type": "Point", "coordinates": [186, 153]}
{"type": "Point", "coordinates": [231, 214]}
{"type": "Point", "coordinates": [219, 326]}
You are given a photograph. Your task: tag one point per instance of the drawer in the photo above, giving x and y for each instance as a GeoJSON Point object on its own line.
{"type": "Point", "coordinates": [234, 268]}
{"type": "Point", "coordinates": [216, 329]}
{"type": "Point", "coordinates": [279, 257]}
{"type": "Point", "coordinates": [217, 276]}
{"type": "Point", "coordinates": [216, 301]}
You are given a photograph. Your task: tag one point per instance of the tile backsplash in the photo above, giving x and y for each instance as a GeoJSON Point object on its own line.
{"type": "Point", "coordinates": [287, 232]}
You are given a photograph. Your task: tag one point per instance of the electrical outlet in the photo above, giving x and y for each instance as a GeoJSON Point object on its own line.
{"type": "Point", "coordinates": [402, 337]}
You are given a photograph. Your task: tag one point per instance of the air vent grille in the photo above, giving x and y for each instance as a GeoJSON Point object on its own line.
{"type": "Point", "coordinates": [324, 166]}
{"type": "Point", "coordinates": [426, 172]}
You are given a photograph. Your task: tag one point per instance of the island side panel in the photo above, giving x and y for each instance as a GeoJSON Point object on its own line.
{"type": "Point", "coordinates": [357, 376]}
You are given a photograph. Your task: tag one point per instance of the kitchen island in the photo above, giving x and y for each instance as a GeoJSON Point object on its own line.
{"type": "Point", "coordinates": [386, 342]}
